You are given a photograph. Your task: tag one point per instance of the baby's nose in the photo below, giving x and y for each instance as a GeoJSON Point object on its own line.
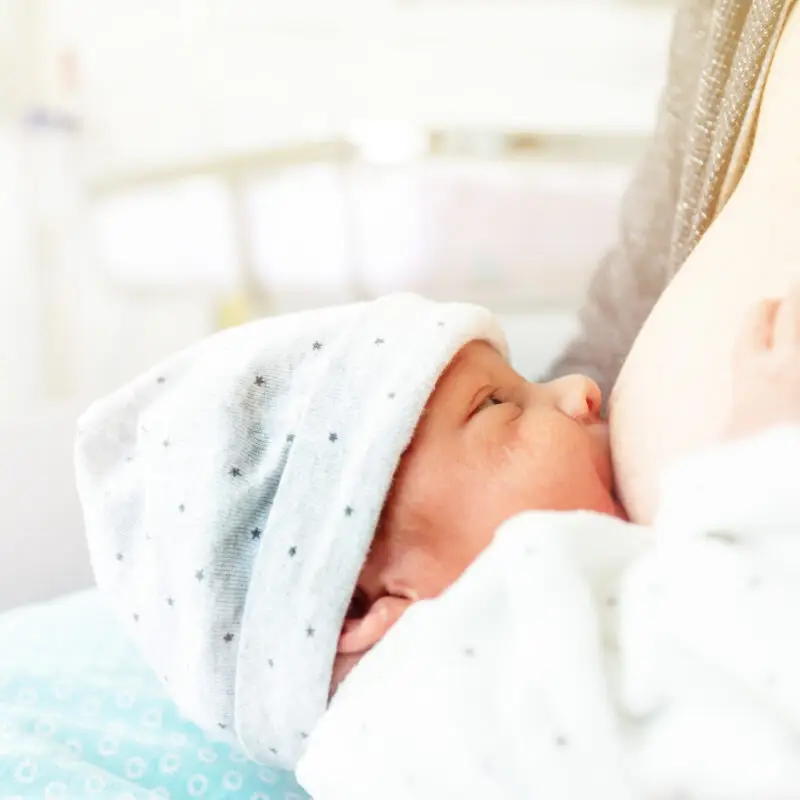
{"type": "Point", "coordinates": [578, 397]}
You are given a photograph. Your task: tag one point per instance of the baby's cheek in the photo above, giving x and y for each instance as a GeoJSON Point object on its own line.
{"type": "Point", "coordinates": [554, 473]}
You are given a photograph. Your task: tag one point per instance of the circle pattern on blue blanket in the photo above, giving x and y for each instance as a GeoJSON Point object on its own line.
{"type": "Point", "coordinates": [82, 716]}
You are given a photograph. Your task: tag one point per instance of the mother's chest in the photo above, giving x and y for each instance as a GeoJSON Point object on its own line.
{"type": "Point", "coordinates": [674, 392]}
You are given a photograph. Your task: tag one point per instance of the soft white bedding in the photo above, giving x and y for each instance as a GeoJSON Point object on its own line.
{"type": "Point", "coordinates": [582, 657]}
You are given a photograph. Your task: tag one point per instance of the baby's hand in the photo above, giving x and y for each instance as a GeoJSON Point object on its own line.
{"type": "Point", "coordinates": [766, 369]}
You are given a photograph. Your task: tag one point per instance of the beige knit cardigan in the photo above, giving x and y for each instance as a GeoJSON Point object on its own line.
{"type": "Point", "coordinates": [720, 53]}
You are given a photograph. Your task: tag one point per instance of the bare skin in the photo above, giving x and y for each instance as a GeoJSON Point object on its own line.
{"type": "Point", "coordinates": [674, 393]}
{"type": "Point", "coordinates": [489, 445]}
{"type": "Point", "coordinates": [767, 368]}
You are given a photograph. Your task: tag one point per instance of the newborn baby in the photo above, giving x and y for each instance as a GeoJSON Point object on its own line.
{"type": "Point", "coordinates": [231, 496]}
{"type": "Point", "coordinates": [489, 445]}
{"type": "Point", "coordinates": [266, 505]}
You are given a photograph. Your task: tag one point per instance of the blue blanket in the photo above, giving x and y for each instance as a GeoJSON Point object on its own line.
{"type": "Point", "coordinates": [81, 716]}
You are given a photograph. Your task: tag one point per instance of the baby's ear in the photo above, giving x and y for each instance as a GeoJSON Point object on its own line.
{"type": "Point", "coordinates": [359, 635]}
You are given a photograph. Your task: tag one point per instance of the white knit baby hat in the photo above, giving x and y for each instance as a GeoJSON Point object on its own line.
{"type": "Point", "coordinates": [231, 495]}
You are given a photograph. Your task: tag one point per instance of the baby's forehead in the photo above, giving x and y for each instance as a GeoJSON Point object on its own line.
{"type": "Point", "coordinates": [424, 460]}
{"type": "Point", "coordinates": [473, 363]}
{"type": "Point", "coordinates": [474, 357]}
{"type": "Point", "coordinates": [478, 350]}
{"type": "Point", "coordinates": [476, 362]}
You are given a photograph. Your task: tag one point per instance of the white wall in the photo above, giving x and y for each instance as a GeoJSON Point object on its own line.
{"type": "Point", "coordinates": [42, 547]}
{"type": "Point", "coordinates": [263, 72]}
{"type": "Point", "coordinates": [20, 321]}
{"type": "Point", "coordinates": [167, 83]}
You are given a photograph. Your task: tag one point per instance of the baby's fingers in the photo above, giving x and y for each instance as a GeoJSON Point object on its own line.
{"type": "Point", "coordinates": [787, 321]}
{"type": "Point", "coordinates": [758, 328]}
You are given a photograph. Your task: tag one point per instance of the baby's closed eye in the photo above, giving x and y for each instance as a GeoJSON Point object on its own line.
{"type": "Point", "coordinates": [488, 402]}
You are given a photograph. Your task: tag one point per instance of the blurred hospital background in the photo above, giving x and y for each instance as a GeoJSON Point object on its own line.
{"type": "Point", "coordinates": [171, 167]}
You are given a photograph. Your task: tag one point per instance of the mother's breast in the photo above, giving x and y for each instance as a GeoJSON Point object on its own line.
{"type": "Point", "coordinates": [673, 395]}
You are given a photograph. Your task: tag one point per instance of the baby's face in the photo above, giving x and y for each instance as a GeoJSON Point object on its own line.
{"type": "Point", "coordinates": [489, 445]}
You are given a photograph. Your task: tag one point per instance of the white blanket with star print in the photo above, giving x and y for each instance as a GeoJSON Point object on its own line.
{"type": "Point", "coordinates": [584, 658]}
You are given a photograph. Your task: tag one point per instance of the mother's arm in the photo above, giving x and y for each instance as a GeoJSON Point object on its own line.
{"type": "Point", "coordinates": [630, 279]}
